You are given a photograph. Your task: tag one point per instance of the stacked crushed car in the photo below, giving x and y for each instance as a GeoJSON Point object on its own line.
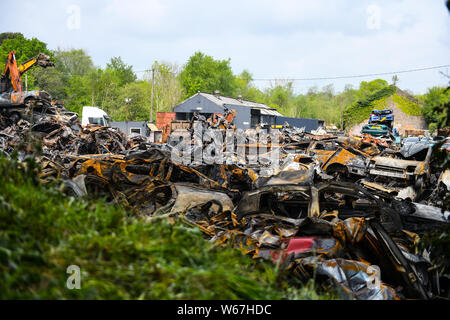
{"type": "Point", "coordinates": [346, 211]}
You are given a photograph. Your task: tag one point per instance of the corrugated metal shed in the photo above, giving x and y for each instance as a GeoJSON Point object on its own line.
{"type": "Point", "coordinates": [248, 113]}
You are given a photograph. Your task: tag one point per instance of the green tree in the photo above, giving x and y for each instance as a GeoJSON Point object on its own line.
{"type": "Point", "coordinates": [50, 80]}
{"type": "Point", "coordinates": [123, 71]}
{"type": "Point", "coordinates": [279, 96]}
{"type": "Point", "coordinates": [73, 62]}
{"type": "Point", "coordinates": [70, 80]}
{"type": "Point", "coordinates": [203, 73]}
{"type": "Point", "coordinates": [25, 48]}
{"type": "Point", "coordinates": [320, 104]}
{"type": "Point", "coordinates": [437, 107]}
{"type": "Point", "coordinates": [343, 100]}
{"type": "Point", "coordinates": [245, 88]}
{"type": "Point", "coordinates": [78, 93]}
{"type": "Point", "coordinates": [9, 35]}
{"type": "Point", "coordinates": [104, 86]}
{"type": "Point", "coordinates": [56, 81]}
{"type": "Point", "coordinates": [367, 88]}
{"type": "Point", "coordinates": [167, 89]}
{"type": "Point", "coordinates": [98, 88]}
{"type": "Point", "coordinates": [138, 106]}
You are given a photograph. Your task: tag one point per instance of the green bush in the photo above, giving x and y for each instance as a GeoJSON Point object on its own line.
{"type": "Point", "coordinates": [42, 232]}
{"type": "Point", "coordinates": [436, 109]}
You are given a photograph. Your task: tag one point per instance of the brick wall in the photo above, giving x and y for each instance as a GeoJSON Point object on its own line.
{"type": "Point", "coordinates": [163, 119]}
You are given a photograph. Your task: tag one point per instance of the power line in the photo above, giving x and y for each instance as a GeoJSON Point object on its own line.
{"type": "Point", "coordinates": [353, 76]}
{"type": "Point", "coordinates": [150, 70]}
{"type": "Point", "coordinates": [336, 77]}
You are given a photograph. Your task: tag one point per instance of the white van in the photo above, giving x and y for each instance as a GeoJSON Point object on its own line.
{"type": "Point", "coordinates": [94, 115]}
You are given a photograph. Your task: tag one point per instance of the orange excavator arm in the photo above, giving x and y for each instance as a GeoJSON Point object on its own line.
{"type": "Point", "coordinates": [11, 71]}
{"type": "Point", "coordinates": [15, 72]}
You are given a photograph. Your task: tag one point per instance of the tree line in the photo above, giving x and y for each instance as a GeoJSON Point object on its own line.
{"type": "Point", "coordinates": [77, 82]}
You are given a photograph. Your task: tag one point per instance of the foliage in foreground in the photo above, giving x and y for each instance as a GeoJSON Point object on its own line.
{"type": "Point", "coordinates": [42, 232]}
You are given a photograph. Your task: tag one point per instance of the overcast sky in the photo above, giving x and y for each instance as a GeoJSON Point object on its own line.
{"type": "Point", "coordinates": [271, 39]}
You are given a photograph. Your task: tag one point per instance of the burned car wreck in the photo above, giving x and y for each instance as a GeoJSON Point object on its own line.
{"type": "Point", "coordinates": [328, 211]}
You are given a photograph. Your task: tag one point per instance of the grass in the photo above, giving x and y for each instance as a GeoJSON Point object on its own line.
{"type": "Point", "coordinates": [42, 232]}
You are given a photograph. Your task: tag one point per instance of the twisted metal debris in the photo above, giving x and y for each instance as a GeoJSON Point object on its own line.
{"type": "Point", "coordinates": [335, 207]}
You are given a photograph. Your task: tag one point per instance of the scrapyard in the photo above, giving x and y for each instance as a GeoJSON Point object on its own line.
{"type": "Point", "coordinates": [237, 190]}
{"type": "Point", "coordinates": [346, 210]}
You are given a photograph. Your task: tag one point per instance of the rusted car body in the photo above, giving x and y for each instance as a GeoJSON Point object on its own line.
{"type": "Point", "coordinates": [360, 223]}
{"type": "Point", "coordinates": [408, 170]}
{"type": "Point", "coordinates": [15, 99]}
{"type": "Point", "coordinates": [334, 158]}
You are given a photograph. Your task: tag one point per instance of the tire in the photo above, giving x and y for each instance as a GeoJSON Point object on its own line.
{"type": "Point", "coordinates": [15, 117]}
{"type": "Point", "coordinates": [30, 102]}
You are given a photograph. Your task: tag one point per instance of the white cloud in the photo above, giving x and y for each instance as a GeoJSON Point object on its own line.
{"type": "Point", "coordinates": [134, 14]}
{"type": "Point", "coordinates": [271, 39]}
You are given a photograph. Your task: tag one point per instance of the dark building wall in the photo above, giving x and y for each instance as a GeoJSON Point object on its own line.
{"type": "Point", "coordinates": [199, 104]}
{"type": "Point", "coordinates": [242, 119]}
{"type": "Point", "coordinates": [126, 126]}
{"type": "Point", "coordinates": [309, 124]}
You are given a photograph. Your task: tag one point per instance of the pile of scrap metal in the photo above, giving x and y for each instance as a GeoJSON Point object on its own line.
{"type": "Point", "coordinates": [331, 211]}
{"type": "Point", "coordinates": [405, 171]}
{"type": "Point", "coordinates": [363, 241]}
{"type": "Point", "coordinates": [61, 137]}
{"type": "Point", "coordinates": [344, 233]}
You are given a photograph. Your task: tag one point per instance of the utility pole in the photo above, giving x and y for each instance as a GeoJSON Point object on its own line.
{"type": "Point", "coordinates": [127, 100]}
{"type": "Point", "coordinates": [151, 103]}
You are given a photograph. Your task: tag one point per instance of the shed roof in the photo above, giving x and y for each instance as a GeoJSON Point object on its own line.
{"type": "Point", "coordinates": [223, 101]}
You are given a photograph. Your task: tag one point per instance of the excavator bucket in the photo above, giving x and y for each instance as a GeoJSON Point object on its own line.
{"type": "Point", "coordinates": [43, 60]}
